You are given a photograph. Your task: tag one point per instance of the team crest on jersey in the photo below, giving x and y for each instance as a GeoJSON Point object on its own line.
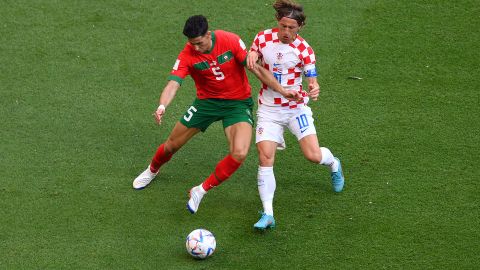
{"type": "Point", "coordinates": [279, 56]}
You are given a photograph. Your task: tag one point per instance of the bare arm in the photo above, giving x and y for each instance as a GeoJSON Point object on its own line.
{"type": "Point", "coordinates": [166, 97]}
{"type": "Point", "coordinates": [266, 77]}
{"type": "Point", "coordinates": [252, 59]}
{"type": "Point", "coordinates": [313, 88]}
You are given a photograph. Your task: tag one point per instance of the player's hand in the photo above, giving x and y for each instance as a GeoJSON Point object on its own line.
{"type": "Point", "coordinates": [314, 90]}
{"type": "Point", "coordinates": [159, 114]}
{"type": "Point", "coordinates": [252, 59]}
{"type": "Point", "coordinates": [292, 95]}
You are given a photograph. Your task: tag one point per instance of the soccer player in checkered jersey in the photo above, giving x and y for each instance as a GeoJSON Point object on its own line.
{"type": "Point", "coordinates": [216, 61]}
{"type": "Point", "coordinates": [288, 56]}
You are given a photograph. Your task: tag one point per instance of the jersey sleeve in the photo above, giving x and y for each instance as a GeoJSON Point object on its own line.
{"type": "Point", "coordinates": [256, 45]}
{"type": "Point", "coordinates": [239, 49]}
{"type": "Point", "coordinates": [308, 61]}
{"type": "Point", "coordinates": [180, 69]}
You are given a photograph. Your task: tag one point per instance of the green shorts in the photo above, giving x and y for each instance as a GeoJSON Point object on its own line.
{"type": "Point", "coordinates": [204, 112]}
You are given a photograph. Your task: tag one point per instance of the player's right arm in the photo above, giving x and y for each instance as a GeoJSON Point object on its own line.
{"type": "Point", "coordinates": [178, 73]}
{"type": "Point", "coordinates": [254, 53]}
{"type": "Point", "coordinates": [266, 77]}
{"type": "Point", "coordinates": [166, 97]}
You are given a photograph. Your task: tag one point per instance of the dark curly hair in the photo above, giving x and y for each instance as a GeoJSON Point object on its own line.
{"type": "Point", "coordinates": [195, 26]}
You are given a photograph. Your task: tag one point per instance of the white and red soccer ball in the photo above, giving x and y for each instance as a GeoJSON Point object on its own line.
{"type": "Point", "coordinates": [200, 243]}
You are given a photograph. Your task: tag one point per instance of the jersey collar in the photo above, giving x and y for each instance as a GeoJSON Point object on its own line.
{"type": "Point", "coordinates": [213, 43]}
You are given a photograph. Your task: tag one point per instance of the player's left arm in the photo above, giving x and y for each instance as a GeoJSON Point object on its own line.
{"type": "Point", "coordinates": [310, 72]}
{"type": "Point", "coordinates": [313, 88]}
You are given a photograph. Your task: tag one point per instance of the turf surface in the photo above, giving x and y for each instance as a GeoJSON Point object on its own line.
{"type": "Point", "coordinates": [80, 79]}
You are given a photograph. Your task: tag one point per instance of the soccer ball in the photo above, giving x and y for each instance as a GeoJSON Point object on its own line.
{"type": "Point", "coordinates": [200, 243]}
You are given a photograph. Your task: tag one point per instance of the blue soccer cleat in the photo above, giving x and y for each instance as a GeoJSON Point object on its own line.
{"type": "Point", "coordinates": [337, 178]}
{"type": "Point", "coordinates": [265, 222]}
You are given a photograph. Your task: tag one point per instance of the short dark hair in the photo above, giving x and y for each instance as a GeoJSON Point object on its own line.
{"type": "Point", "coordinates": [195, 26]}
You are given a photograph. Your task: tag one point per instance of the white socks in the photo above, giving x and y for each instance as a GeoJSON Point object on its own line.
{"type": "Point", "coordinates": [267, 184]}
{"type": "Point", "coordinates": [266, 188]}
{"type": "Point", "coordinates": [328, 159]}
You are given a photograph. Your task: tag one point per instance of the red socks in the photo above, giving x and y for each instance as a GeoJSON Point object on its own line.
{"type": "Point", "coordinates": [225, 168]}
{"type": "Point", "coordinates": [159, 159]}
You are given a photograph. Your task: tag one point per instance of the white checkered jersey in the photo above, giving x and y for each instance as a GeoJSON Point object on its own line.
{"type": "Point", "coordinates": [287, 62]}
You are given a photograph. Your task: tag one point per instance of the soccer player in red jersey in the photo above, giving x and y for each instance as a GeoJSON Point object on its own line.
{"type": "Point", "coordinates": [288, 56]}
{"type": "Point", "coordinates": [216, 61]}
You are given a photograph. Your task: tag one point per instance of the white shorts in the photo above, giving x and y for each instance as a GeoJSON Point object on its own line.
{"type": "Point", "coordinates": [271, 122]}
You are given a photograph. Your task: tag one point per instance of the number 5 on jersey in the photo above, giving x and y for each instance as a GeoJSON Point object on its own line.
{"type": "Point", "coordinates": [218, 74]}
{"type": "Point", "coordinates": [190, 112]}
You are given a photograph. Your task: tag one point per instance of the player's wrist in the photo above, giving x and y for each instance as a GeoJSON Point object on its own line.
{"type": "Point", "coordinates": [161, 107]}
{"type": "Point", "coordinates": [282, 91]}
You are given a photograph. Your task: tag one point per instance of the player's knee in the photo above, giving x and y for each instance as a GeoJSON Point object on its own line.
{"type": "Point", "coordinates": [240, 155]}
{"type": "Point", "coordinates": [171, 147]}
{"type": "Point", "coordinates": [314, 156]}
{"type": "Point", "coordinates": [266, 160]}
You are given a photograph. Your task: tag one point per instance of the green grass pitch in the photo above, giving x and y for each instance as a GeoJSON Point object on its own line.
{"type": "Point", "coordinates": [80, 79]}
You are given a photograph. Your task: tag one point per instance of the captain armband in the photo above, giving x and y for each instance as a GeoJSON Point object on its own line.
{"type": "Point", "coordinates": [311, 73]}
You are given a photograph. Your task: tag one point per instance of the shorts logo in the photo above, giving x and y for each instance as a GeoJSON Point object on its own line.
{"type": "Point", "coordinates": [260, 130]}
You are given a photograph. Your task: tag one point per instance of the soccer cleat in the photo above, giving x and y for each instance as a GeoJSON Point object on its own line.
{"type": "Point", "coordinates": [265, 222]}
{"type": "Point", "coordinates": [196, 196]}
{"type": "Point", "coordinates": [144, 179]}
{"type": "Point", "coordinates": [337, 178]}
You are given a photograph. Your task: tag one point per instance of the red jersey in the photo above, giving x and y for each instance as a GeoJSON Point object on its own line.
{"type": "Point", "coordinates": [219, 73]}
